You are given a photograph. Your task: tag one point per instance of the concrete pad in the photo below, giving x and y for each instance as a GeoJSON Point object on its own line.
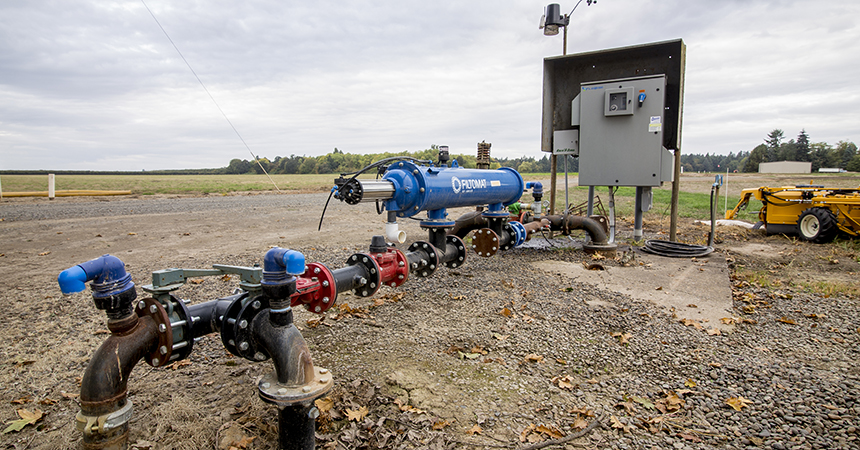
{"type": "Point", "coordinates": [697, 288]}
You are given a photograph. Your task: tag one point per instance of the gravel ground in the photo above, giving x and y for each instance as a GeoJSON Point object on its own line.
{"type": "Point", "coordinates": [494, 354]}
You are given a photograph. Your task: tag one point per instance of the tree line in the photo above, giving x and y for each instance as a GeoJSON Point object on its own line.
{"type": "Point", "coordinates": [843, 155]}
{"type": "Point", "coordinates": [340, 162]}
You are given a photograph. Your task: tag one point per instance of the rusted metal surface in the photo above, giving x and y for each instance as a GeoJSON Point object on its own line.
{"type": "Point", "coordinates": [485, 242]}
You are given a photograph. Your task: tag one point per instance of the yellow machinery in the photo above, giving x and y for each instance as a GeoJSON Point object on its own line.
{"type": "Point", "coordinates": [814, 213]}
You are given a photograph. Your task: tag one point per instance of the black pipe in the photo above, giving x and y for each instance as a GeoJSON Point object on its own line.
{"type": "Point", "coordinates": [211, 314]}
{"type": "Point", "coordinates": [299, 435]}
{"type": "Point", "coordinates": [350, 277]}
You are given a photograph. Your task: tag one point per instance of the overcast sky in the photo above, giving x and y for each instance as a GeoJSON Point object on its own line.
{"type": "Point", "coordinates": [96, 84]}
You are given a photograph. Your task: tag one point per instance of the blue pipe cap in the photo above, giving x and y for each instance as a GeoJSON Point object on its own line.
{"type": "Point", "coordinates": [284, 260]}
{"type": "Point", "coordinates": [72, 280]}
{"type": "Point", "coordinates": [107, 273]}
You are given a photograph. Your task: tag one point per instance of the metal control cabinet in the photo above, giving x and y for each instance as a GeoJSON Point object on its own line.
{"type": "Point", "coordinates": [621, 124]}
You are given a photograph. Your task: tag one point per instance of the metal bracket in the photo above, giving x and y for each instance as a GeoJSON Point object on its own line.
{"type": "Point", "coordinates": [90, 425]}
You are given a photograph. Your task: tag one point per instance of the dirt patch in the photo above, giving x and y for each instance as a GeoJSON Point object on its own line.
{"type": "Point", "coordinates": [500, 343]}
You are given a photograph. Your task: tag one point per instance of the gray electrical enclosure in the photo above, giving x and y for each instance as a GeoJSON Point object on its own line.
{"type": "Point", "coordinates": [621, 133]}
{"type": "Point", "coordinates": [621, 142]}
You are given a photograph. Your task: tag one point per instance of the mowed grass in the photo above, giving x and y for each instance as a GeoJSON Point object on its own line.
{"type": "Point", "coordinates": [169, 184]}
{"type": "Point", "coordinates": [694, 197]}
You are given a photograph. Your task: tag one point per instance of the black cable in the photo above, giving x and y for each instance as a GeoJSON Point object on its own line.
{"type": "Point", "coordinates": [675, 249]}
{"type": "Point", "coordinates": [365, 169]}
{"type": "Point", "coordinates": [324, 208]}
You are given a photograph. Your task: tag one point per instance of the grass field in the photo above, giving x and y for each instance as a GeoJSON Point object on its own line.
{"type": "Point", "coordinates": [693, 202]}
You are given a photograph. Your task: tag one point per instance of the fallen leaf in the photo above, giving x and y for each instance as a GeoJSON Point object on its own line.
{"type": "Point", "coordinates": [786, 320]}
{"type": "Point", "coordinates": [565, 382]}
{"type": "Point", "coordinates": [47, 402]}
{"type": "Point", "coordinates": [728, 320]}
{"type": "Point", "coordinates": [628, 406]}
{"type": "Point", "coordinates": [44, 253]}
{"type": "Point", "coordinates": [132, 233]}
{"type": "Point", "coordinates": [324, 404]}
{"type": "Point", "coordinates": [615, 423]}
{"type": "Point", "coordinates": [440, 424]}
{"type": "Point", "coordinates": [506, 312]}
{"type": "Point", "coordinates": [22, 400]}
{"type": "Point", "coordinates": [357, 415]}
{"type": "Point", "coordinates": [738, 403]}
{"type": "Point", "coordinates": [534, 358]}
{"type": "Point", "coordinates": [500, 337]}
{"type": "Point", "coordinates": [476, 429]}
{"type": "Point", "coordinates": [226, 277]}
{"type": "Point", "coordinates": [643, 401]}
{"type": "Point", "coordinates": [623, 338]}
{"type": "Point", "coordinates": [690, 383]}
{"type": "Point", "coordinates": [692, 323]}
{"type": "Point", "coordinates": [196, 280]}
{"type": "Point", "coordinates": [550, 431]}
{"type": "Point", "coordinates": [580, 423]}
{"type": "Point", "coordinates": [26, 418]}
{"type": "Point", "coordinates": [714, 332]}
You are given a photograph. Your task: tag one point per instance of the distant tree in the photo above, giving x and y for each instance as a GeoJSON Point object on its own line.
{"type": "Point", "coordinates": [802, 146]}
{"type": "Point", "coordinates": [238, 166]}
{"type": "Point", "coordinates": [773, 141]}
{"type": "Point", "coordinates": [854, 164]}
{"type": "Point", "coordinates": [528, 167]}
{"type": "Point", "coordinates": [757, 156]}
{"type": "Point", "coordinates": [845, 152]}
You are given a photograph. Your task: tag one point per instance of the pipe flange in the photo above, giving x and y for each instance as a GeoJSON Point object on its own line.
{"type": "Point", "coordinates": [458, 244]}
{"type": "Point", "coordinates": [153, 308]}
{"type": "Point", "coordinates": [183, 348]}
{"type": "Point", "coordinates": [271, 391]}
{"type": "Point", "coordinates": [246, 346]}
{"type": "Point", "coordinates": [607, 250]}
{"type": "Point", "coordinates": [518, 232]}
{"type": "Point", "coordinates": [428, 266]}
{"type": "Point", "coordinates": [230, 320]}
{"type": "Point", "coordinates": [90, 425]}
{"type": "Point", "coordinates": [371, 286]}
{"type": "Point", "coordinates": [315, 300]}
{"type": "Point", "coordinates": [485, 242]}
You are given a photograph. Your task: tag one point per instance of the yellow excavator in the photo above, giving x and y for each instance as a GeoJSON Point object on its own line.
{"type": "Point", "coordinates": [813, 212]}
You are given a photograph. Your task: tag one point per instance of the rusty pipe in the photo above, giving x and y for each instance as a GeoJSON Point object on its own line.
{"type": "Point", "coordinates": [464, 224]}
{"type": "Point", "coordinates": [105, 409]}
{"type": "Point", "coordinates": [534, 227]}
{"type": "Point", "coordinates": [591, 226]}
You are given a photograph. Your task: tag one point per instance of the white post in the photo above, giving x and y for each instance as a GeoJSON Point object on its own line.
{"type": "Point", "coordinates": [1, 191]}
{"type": "Point", "coordinates": [726, 183]}
{"type": "Point", "coordinates": [50, 186]}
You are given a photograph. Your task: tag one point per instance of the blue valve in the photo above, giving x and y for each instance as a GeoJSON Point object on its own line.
{"type": "Point", "coordinates": [641, 98]}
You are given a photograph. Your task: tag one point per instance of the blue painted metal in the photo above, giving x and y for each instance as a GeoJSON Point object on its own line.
{"type": "Point", "coordinates": [535, 186]}
{"type": "Point", "coordinates": [280, 262]}
{"type": "Point", "coordinates": [107, 273]}
{"type": "Point", "coordinates": [519, 233]}
{"type": "Point", "coordinates": [423, 188]}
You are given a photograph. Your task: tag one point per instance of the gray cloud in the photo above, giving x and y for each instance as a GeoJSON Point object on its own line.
{"type": "Point", "coordinates": [96, 85]}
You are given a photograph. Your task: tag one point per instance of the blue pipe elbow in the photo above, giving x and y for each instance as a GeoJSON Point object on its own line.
{"type": "Point", "coordinates": [107, 273]}
{"type": "Point", "coordinates": [283, 261]}
{"type": "Point", "coordinates": [536, 186]}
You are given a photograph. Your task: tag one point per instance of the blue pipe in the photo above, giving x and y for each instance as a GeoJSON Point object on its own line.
{"type": "Point", "coordinates": [536, 187]}
{"type": "Point", "coordinates": [107, 273]}
{"type": "Point", "coordinates": [280, 262]}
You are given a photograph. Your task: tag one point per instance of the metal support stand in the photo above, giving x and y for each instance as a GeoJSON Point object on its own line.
{"type": "Point", "coordinates": [637, 221]}
{"type": "Point", "coordinates": [590, 209]}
